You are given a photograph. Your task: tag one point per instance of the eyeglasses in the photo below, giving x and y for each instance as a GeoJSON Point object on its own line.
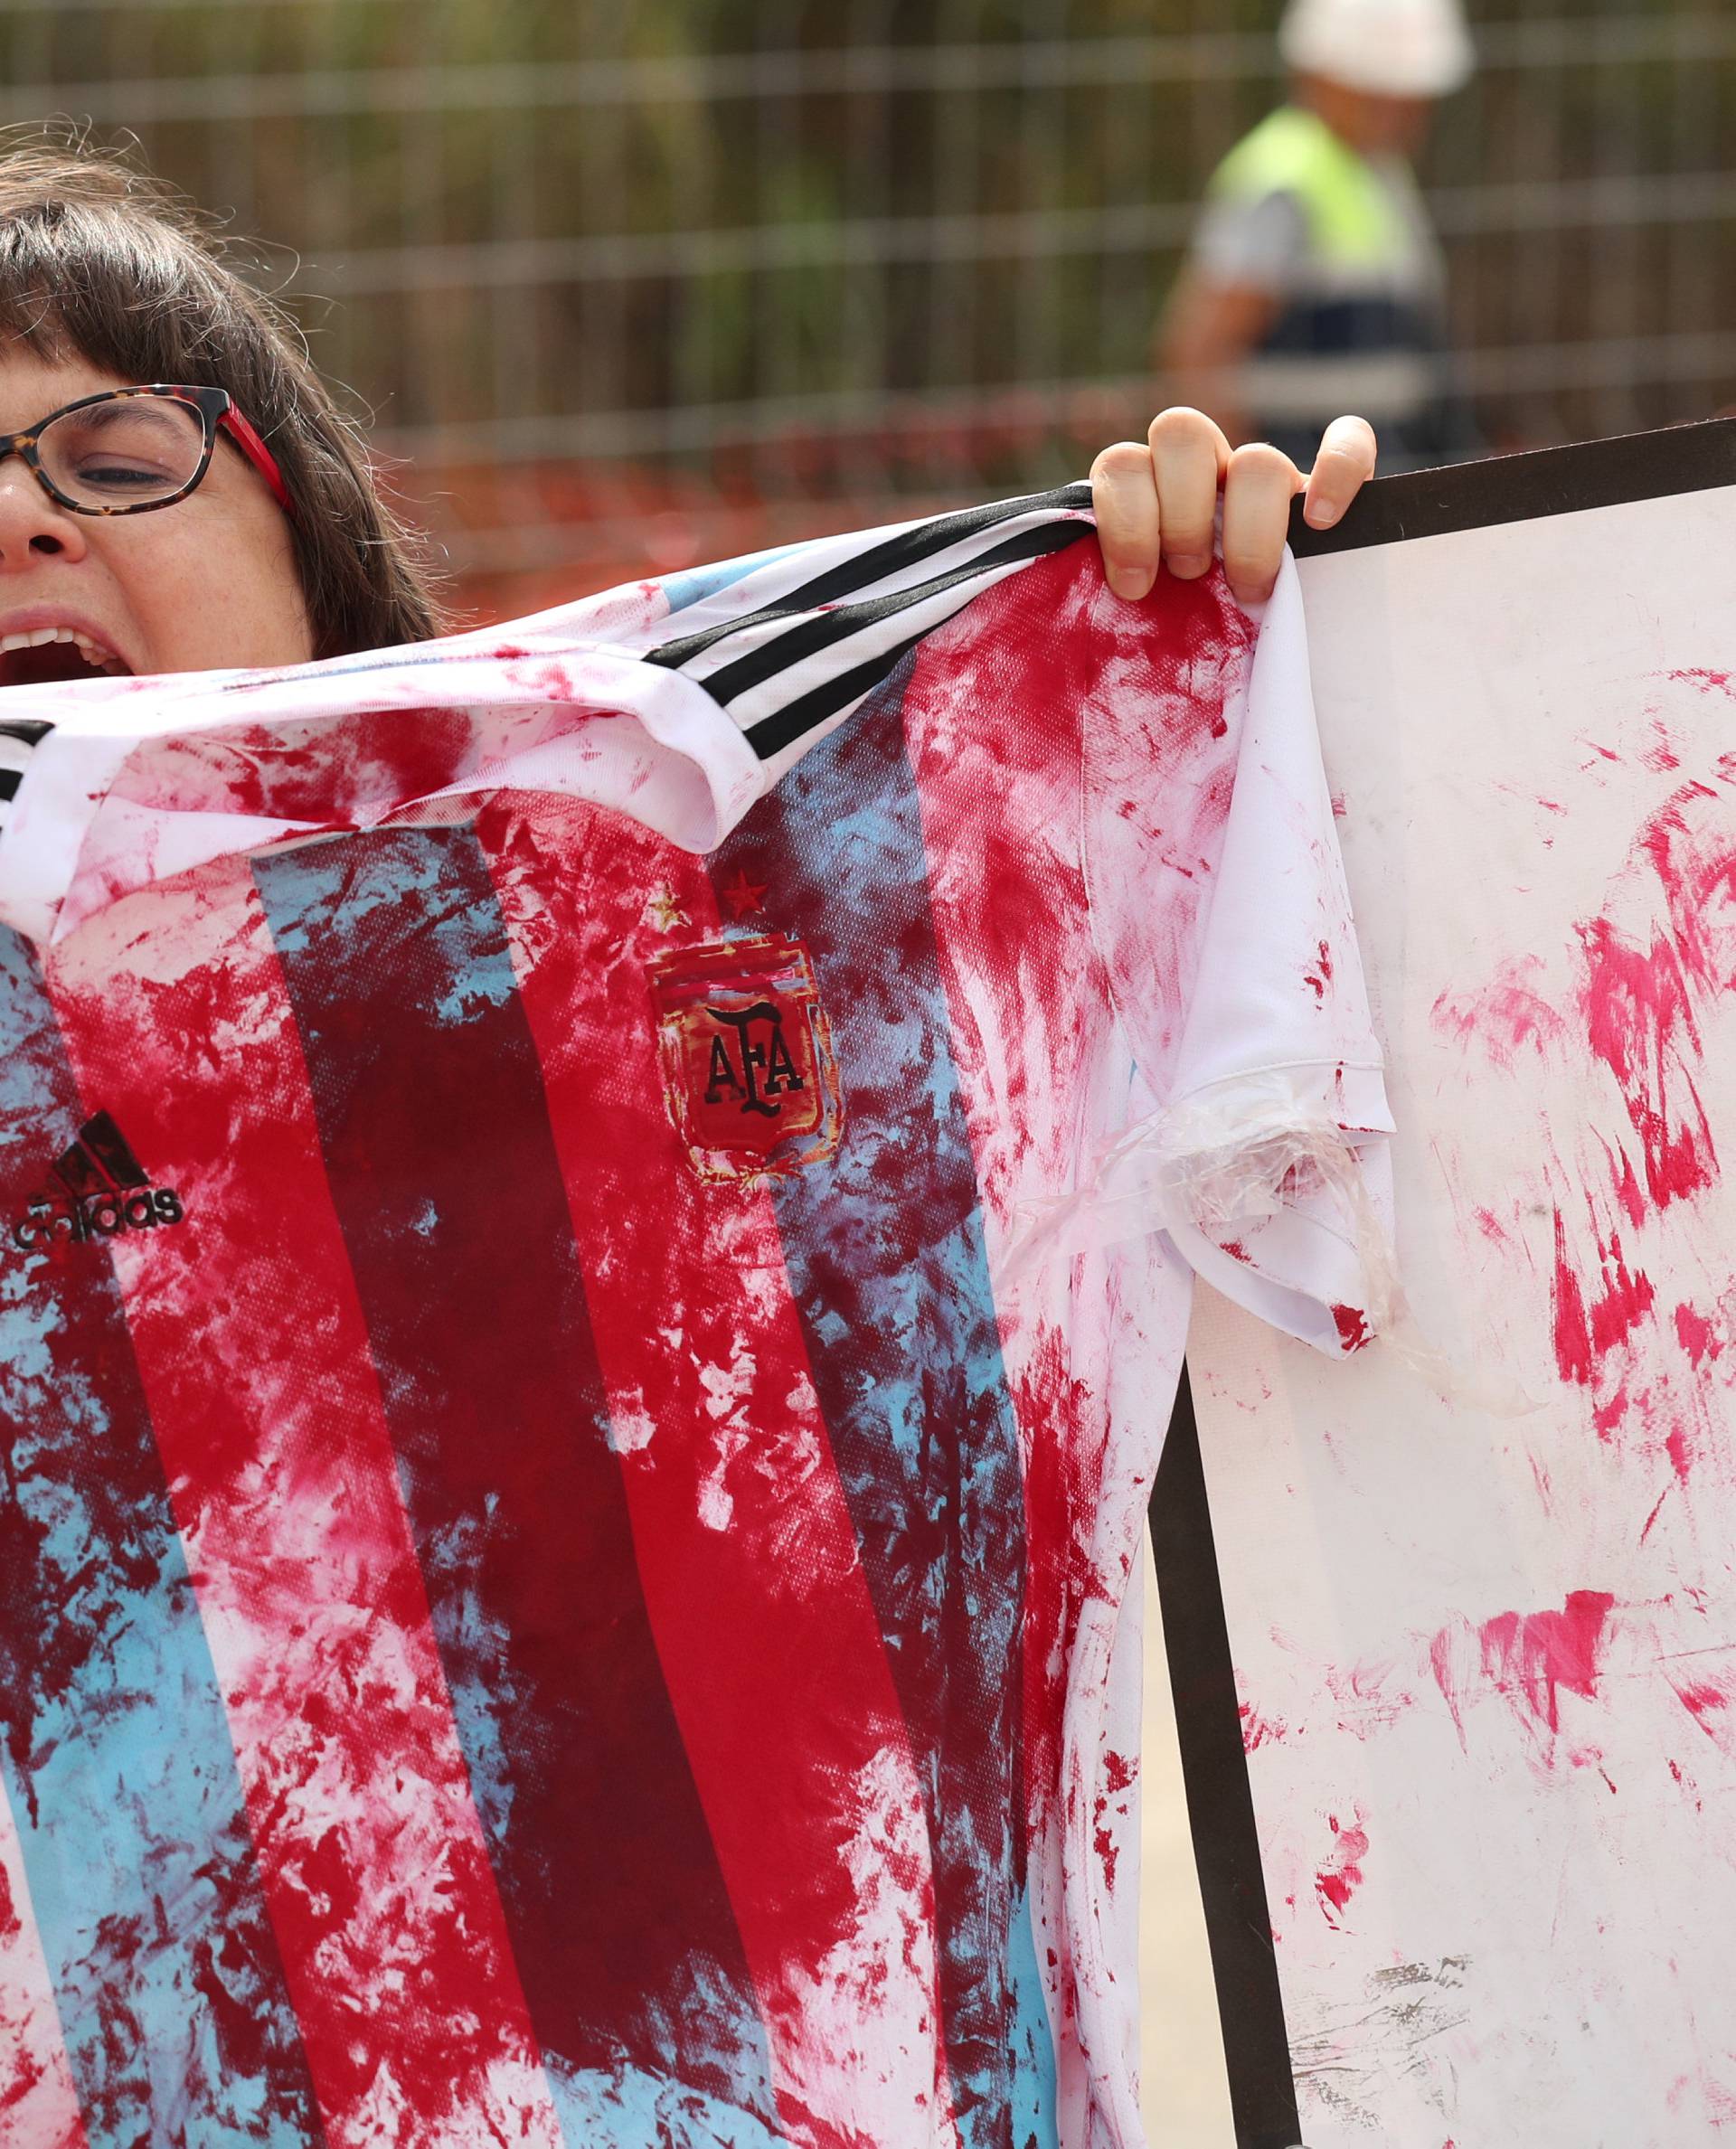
{"type": "Point", "coordinates": [129, 450]}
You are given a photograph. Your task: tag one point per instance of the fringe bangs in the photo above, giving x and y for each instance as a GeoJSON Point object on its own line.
{"type": "Point", "coordinates": [101, 261]}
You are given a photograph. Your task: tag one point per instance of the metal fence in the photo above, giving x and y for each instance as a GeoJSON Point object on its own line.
{"type": "Point", "coordinates": [641, 281]}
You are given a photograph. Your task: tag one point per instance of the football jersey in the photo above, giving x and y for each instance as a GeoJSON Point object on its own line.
{"type": "Point", "coordinates": [597, 1222]}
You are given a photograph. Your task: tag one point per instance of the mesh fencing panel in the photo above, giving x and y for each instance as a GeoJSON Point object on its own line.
{"type": "Point", "coordinates": [631, 284]}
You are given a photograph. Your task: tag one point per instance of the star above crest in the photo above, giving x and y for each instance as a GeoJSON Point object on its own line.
{"type": "Point", "coordinates": [743, 895]}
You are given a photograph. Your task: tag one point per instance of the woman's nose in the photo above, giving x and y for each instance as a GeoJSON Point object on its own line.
{"type": "Point", "coordinates": [33, 527]}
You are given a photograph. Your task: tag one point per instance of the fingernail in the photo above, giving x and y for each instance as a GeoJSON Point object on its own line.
{"type": "Point", "coordinates": [1128, 582]}
{"type": "Point", "coordinates": [1320, 514]}
{"type": "Point", "coordinates": [1188, 565]}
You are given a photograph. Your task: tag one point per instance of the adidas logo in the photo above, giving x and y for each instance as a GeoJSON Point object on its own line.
{"type": "Point", "coordinates": [97, 1189]}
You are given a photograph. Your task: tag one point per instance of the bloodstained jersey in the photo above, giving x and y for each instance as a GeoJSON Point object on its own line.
{"type": "Point", "coordinates": [580, 1368]}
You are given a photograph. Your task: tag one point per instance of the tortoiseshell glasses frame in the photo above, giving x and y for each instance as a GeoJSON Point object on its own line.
{"type": "Point", "coordinates": [216, 411]}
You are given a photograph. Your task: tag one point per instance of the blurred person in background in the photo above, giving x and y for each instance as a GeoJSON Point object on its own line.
{"type": "Point", "coordinates": [1316, 284]}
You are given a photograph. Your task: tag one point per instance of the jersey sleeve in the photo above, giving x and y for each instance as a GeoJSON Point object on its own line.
{"type": "Point", "coordinates": [1262, 1153]}
{"type": "Point", "coordinates": [1274, 1134]}
{"type": "Point", "coordinates": [133, 781]}
{"type": "Point", "coordinates": [679, 703]}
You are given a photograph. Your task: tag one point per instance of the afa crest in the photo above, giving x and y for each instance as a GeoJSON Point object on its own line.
{"type": "Point", "coordinates": [749, 1068]}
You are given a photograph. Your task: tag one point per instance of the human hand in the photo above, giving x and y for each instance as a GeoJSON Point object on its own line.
{"type": "Point", "coordinates": [1155, 503]}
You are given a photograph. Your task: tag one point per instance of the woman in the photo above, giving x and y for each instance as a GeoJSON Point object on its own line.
{"type": "Point", "coordinates": [106, 282]}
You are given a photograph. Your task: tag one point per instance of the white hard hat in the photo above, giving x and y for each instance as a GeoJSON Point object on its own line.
{"type": "Point", "coordinates": [1393, 48]}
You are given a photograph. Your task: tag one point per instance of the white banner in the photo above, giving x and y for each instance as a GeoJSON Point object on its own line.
{"type": "Point", "coordinates": [1485, 1646]}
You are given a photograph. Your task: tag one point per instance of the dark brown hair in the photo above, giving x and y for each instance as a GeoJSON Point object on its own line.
{"type": "Point", "coordinates": [99, 258]}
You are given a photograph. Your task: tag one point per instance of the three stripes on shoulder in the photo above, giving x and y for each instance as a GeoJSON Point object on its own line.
{"type": "Point", "coordinates": [18, 741]}
{"type": "Point", "coordinates": [806, 639]}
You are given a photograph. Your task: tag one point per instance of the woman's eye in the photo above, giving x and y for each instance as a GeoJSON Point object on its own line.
{"type": "Point", "coordinates": [118, 470]}
{"type": "Point", "coordinates": [119, 475]}
{"type": "Point", "coordinates": [123, 454]}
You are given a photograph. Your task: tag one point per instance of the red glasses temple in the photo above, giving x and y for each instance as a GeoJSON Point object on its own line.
{"type": "Point", "coordinates": [257, 453]}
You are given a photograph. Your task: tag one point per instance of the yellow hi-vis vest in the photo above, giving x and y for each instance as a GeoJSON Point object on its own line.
{"type": "Point", "coordinates": [1360, 321]}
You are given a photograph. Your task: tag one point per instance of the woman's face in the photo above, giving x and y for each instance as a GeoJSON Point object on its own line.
{"type": "Point", "coordinates": [207, 583]}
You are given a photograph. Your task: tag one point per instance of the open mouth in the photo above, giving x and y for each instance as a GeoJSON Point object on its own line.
{"type": "Point", "coordinates": [50, 654]}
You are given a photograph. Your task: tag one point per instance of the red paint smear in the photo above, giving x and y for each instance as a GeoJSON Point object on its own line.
{"type": "Point", "coordinates": [24, 2074]}
{"type": "Point", "coordinates": [1502, 1016]}
{"type": "Point", "coordinates": [1639, 1001]}
{"type": "Point", "coordinates": [309, 771]}
{"type": "Point", "coordinates": [1608, 1416]}
{"type": "Point", "coordinates": [1353, 1327]}
{"type": "Point", "coordinates": [1339, 1879]}
{"type": "Point", "coordinates": [1701, 1700]}
{"type": "Point", "coordinates": [1694, 1332]}
{"type": "Point", "coordinates": [1487, 1223]}
{"type": "Point", "coordinates": [1625, 1302]}
{"type": "Point", "coordinates": [1530, 1657]}
{"type": "Point", "coordinates": [1572, 1332]}
{"type": "Point", "coordinates": [1117, 1774]}
{"type": "Point", "coordinates": [1640, 1025]}
{"type": "Point", "coordinates": [1627, 1192]}
{"type": "Point", "coordinates": [1661, 756]}
{"type": "Point", "coordinates": [1440, 1659]}
{"type": "Point", "coordinates": [1153, 786]}
{"type": "Point", "coordinates": [1258, 1731]}
{"type": "Point", "coordinates": [1586, 1333]}
{"type": "Point", "coordinates": [1047, 1394]}
{"type": "Point", "coordinates": [1697, 873]}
